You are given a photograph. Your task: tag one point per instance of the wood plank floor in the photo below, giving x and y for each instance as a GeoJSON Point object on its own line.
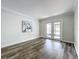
{"type": "Point", "coordinates": [40, 49]}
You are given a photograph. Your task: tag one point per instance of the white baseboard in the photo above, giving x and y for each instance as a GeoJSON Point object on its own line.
{"type": "Point", "coordinates": [67, 41]}
{"type": "Point", "coordinates": [61, 40]}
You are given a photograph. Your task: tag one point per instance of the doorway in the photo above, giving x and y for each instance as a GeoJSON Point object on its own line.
{"type": "Point", "coordinates": [54, 30]}
{"type": "Point", "coordinates": [48, 30]}
{"type": "Point", "coordinates": [57, 28]}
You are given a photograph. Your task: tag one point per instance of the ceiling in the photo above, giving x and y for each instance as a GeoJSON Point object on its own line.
{"type": "Point", "coordinates": [39, 8]}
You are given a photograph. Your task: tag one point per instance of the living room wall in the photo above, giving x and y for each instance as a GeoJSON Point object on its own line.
{"type": "Point", "coordinates": [11, 23]}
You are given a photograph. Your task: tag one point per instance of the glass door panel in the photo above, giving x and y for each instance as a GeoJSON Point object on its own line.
{"type": "Point", "coordinates": [49, 30]}
{"type": "Point", "coordinates": [57, 30]}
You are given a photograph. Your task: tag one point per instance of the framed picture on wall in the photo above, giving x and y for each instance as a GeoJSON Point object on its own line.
{"type": "Point", "coordinates": [26, 26]}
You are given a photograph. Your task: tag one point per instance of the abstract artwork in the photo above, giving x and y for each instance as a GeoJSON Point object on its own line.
{"type": "Point", "coordinates": [26, 26]}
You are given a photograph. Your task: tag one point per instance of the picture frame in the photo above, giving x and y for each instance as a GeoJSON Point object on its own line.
{"type": "Point", "coordinates": [26, 26]}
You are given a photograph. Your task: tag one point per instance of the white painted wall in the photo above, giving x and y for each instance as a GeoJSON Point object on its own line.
{"type": "Point", "coordinates": [76, 28]}
{"type": "Point", "coordinates": [11, 23]}
{"type": "Point", "coordinates": [68, 25]}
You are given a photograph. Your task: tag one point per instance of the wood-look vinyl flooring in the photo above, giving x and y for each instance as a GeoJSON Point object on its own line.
{"type": "Point", "coordinates": [40, 49]}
